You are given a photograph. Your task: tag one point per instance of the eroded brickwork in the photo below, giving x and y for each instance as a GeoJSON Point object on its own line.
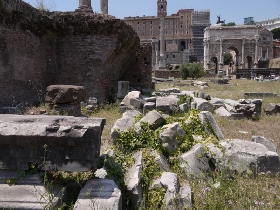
{"type": "Point", "coordinates": [38, 49]}
{"type": "Point", "coordinates": [139, 75]}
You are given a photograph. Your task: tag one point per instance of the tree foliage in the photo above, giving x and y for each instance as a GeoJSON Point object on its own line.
{"type": "Point", "coordinates": [227, 58]}
{"type": "Point", "coordinates": [229, 24]}
{"type": "Point", "coordinates": [193, 70]}
{"type": "Point", "coordinates": [276, 33]}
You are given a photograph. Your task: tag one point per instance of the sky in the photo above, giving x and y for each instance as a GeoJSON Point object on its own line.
{"type": "Point", "coordinates": [229, 10]}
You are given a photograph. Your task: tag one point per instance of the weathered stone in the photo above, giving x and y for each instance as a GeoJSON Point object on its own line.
{"type": "Point", "coordinates": [123, 89]}
{"type": "Point", "coordinates": [258, 106]}
{"type": "Point", "coordinates": [132, 180]}
{"type": "Point", "coordinates": [203, 105]}
{"type": "Point", "coordinates": [30, 196]}
{"type": "Point", "coordinates": [229, 108]}
{"type": "Point", "coordinates": [151, 99]}
{"type": "Point", "coordinates": [217, 101]}
{"type": "Point", "coordinates": [149, 106]}
{"type": "Point", "coordinates": [193, 162]}
{"type": "Point", "coordinates": [167, 104]}
{"type": "Point", "coordinates": [185, 193]}
{"type": "Point", "coordinates": [200, 95]}
{"type": "Point", "coordinates": [126, 121]}
{"type": "Point", "coordinates": [246, 109]}
{"type": "Point", "coordinates": [170, 182]}
{"type": "Point", "coordinates": [188, 93]}
{"type": "Point", "coordinates": [200, 83]}
{"type": "Point", "coordinates": [237, 116]}
{"type": "Point", "coordinates": [137, 103]}
{"type": "Point", "coordinates": [207, 97]}
{"type": "Point", "coordinates": [271, 108]}
{"type": "Point", "coordinates": [160, 160]}
{"type": "Point", "coordinates": [208, 119]}
{"type": "Point", "coordinates": [154, 119]}
{"type": "Point", "coordinates": [222, 112]}
{"type": "Point", "coordinates": [61, 94]}
{"type": "Point", "coordinates": [169, 136]}
{"type": "Point", "coordinates": [244, 101]}
{"type": "Point", "coordinates": [266, 142]}
{"type": "Point", "coordinates": [260, 95]}
{"type": "Point", "coordinates": [184, 107]}
{"type": "Point", "coordinates": [230, 102]}
{"type": "Point", "coordinates": [73, 143]}
{"type": "Point", "coordinates": [245, 155]}
{"type": "Point", "coordinates": [126, 102]}
{"type": "Point", "coordinates": [99, 194]}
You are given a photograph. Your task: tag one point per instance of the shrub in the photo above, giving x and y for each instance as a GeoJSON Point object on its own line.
{"type": "Point", "coordinates": [193, 70]}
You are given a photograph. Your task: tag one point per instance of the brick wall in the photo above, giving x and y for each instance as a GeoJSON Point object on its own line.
{"type": "Point", "coordinates": [140, 75]}
{"type": "Point", "coordinates": [38, 49]}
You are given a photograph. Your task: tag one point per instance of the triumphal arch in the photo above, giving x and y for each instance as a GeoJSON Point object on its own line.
{"type": "Point", "coordinates": [248, 44]}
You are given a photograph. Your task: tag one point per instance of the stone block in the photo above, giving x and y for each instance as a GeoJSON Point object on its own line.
{"type": "Point", "coordinates": [123, 89]}
{"type": "Point", "coordinates": [207, 118]}
{"type": "Point", "coordinates": [149, 106]}
{"type": "Point", "coordinates": [30, 197]}
{"type": "Point", "coordinates": [222, 112]}
{"type": "Point", "coordinates": [60, 94]}
{"type": "Point", "coordinates": [167, 105]}
{"type": "Point", "coordinates": [203, 105]}
{"type": "Point", "coordinates": [99, 194]}
{"type": "Point", "coordinates": [73, 143]}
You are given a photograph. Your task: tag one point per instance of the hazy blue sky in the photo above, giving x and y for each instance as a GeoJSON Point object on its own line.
{"type": "Point", "coordinates": [229, 10]}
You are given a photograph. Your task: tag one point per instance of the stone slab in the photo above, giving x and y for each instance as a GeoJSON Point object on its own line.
{"type": "Point", "coordinates": [30, 197]}
{"type": "Point", "coordinates": [73, 143]}
{"type": "Point", "coordinates": [101, 194]}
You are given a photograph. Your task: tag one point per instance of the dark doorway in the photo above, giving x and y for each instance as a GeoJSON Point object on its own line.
{"type": "Point", "coordinates": [249, 61]}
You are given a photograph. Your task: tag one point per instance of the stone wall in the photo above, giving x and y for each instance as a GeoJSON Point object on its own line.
{"type": "Point", "coordinates": [140, 75]}
{"type": "Point", "coordinates": [38, 49]}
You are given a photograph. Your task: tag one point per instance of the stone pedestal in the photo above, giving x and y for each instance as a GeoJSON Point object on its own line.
{"type": "Point", "coordinates": [162, 62]}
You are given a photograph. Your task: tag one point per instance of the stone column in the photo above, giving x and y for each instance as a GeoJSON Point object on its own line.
{"type": "Point", "coordinates": [242, 56]}
{"type": "Point", "coordinates": [266, 56]}
{"type": "Point", "coordinates": [205, 54]}
{"type": "Point", "coordinates": [104, 6]}
{"type": "Point", "coordinates": [221, 63]}
{"type": "Point", "coordinates": [256, 54]}
{"type": "Point", "coordinates": [84, 6]}
{"type": "Point", "coordinates": [155, 43]}
{"type": "Point", "coordinates": [162, 64]}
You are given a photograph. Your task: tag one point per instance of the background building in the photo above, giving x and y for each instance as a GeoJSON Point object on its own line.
{"type": "Point", "coordinates": [269, 24]}
{"type": "Point", "coordinates": [183, 32]}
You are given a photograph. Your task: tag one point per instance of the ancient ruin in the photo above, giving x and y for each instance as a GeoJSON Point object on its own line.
{"type": "Point", "coordinates": [248, 43]}
{"type": "Point", "coordinates": [40, 48]}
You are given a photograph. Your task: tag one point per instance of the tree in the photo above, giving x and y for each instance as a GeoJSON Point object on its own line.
{"type": "Point", "coordinates": [193, 70]}
{"type": "Point", "coordinates": [276, 33]}
{"type": "Point", "coordinates": [184, 71]}
{"type": "Point", "coordinates": [227, 58]}
{"type": "Point", "coordinates": [42, 5]}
